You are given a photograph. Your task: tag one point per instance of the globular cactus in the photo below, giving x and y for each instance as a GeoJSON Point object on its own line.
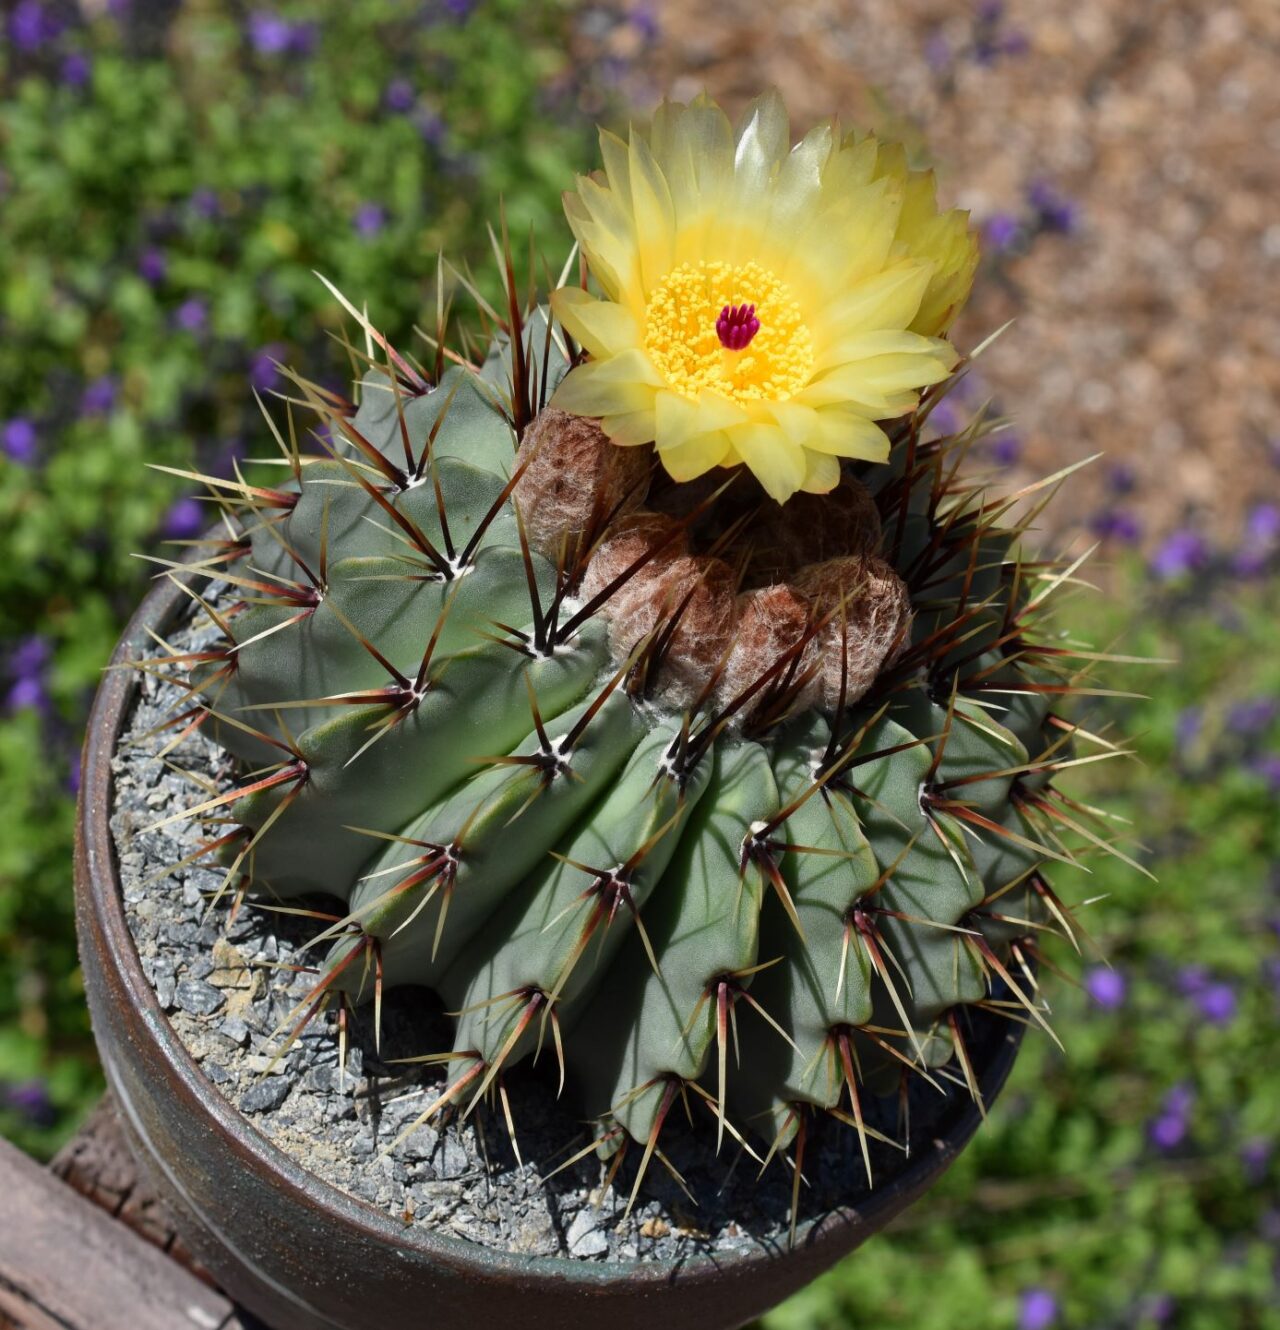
{"type": "Point", "coordinates": [711, 790]}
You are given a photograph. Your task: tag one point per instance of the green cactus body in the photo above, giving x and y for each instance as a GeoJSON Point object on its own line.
{"type": "Point", "coordinates": [523, 706]}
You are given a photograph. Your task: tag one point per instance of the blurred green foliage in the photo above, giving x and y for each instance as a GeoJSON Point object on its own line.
{"type": "Point", "coordinates": [172, 175]}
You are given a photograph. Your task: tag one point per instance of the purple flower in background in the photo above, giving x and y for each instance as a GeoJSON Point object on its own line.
{"type": "Point", "coordinates": [1261, 540]}
{"type": "Point", "coordinates": [431, 127]}
{"type": "Point", "coordinates": [459, 8]}
{"type": "Point", "coordinates": [1179, 1099]}
{"type": "Point", "coordinates": [1181, 553]}
{"type": "Point", "coordinates": [1122, 479]}
{"type": "Point", "coordinates": [303, 38]}
{"type": "Point", "coordinates": [1186, 729]}
{"type": "Point", "coordinates": [1107, 987]}
{"type": "Point", "coordinates": [185, 519]}
{"type": "Point", "coordinates": [29, 657]}
{"type": "Point", "coordinates": [27, 695]}
{"type": "Point", "coordinates": [1192, 980]}
{"type": "Point", "coordinates": [153, 265]}
{"type": "Point", "coordinates": [1255, 1156]}
{"type": "Point", "coordinates": [1216, 1003]}
{"type": "Point", "coordinates": [192, 315]}
{"type": "Point", "coordinates": [30, 26]}
{"type": "Point", "coordinates": [269, 34]}
{"type": "Point", "coordinates": [77, 70]}
{"type": "Point", "coordinates": [1253, 715]}
{"type": "Point", "coordinates": [643, 18]}
{"type": "Point", "coordinates": [1263, 522]}
{"type": "Point", "coordinates": [31, 1099]}
{"type": "Point", "coordinates": [1168, 1131]}
{"type": "Point", "coordinates": [1159, 1307]}
{"type": "Point", "coordinates": [263, 373]}
{"type": "Point", "coordinates": [204, 203]}
{"type": "Point", "coordinates": [1268, 767]}
{"type": "Point", "coordinates": [1037, 1309]}
{"type": "Point", "coordinates": [1002, 231]}
{"type": "Point", "coordinates": [399, 96]}
{"type": "Point", "coordinates": [944, 417]}
{"type": "Point", "coordinates": [1054, 211]}
{"type": "Point", "coordinates": [19, 439]}
{"type": "Point", "coordinates": [1006, 448]}
{"type": "Point", "coordinates": [1169, 1128]}
{"type": "Point", "coordinates": [369, 220]}
{"type": "Point", "coordinates": [99, 397]}
{"type": "Point", "coordinates": [1117, 524]}
{"type": "Point", "coordinates": [937, 52]}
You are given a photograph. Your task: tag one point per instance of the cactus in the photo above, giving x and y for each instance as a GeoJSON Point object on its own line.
{"type": "Point", "coordinates": [707, 795]}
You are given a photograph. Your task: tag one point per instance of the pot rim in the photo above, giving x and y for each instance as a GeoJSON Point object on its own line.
{"type": "Point", "coordinates": [100, 895]}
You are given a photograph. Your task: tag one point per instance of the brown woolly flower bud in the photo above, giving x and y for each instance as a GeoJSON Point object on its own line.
{"type": "Point", "coordinates": [770, 635]}
{"type": "Point", "coordinates": [685, 601]}
{"type": "Point", "coordinates": [810, 528]}
{"type": "Point", "coordinates": [575, 479]}
{"type": "Point", "coordinates": [868, 608]}
{"type": "Point", "coordinates": [629, 539]}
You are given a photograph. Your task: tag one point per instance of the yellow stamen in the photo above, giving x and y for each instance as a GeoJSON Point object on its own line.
{"type": "Point", "coordinates": [681, 337]}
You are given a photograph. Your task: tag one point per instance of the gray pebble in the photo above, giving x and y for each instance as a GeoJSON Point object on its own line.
{"type": "Point", "coordinates": [451, 1161]}
{"type": "Point", "coordinates": [199, 998]}
{"type": "Point", "coordinates": [265, 1095]}
{"type": "Point", "coordinates": [235, 1029]}
{"type": "Point", "coordinates": [585, 1237]}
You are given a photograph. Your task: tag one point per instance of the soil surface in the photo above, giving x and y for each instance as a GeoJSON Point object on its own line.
{"type": "Point", "coordinates": [223, 977]}
{"type": "Point", "coordinates": [1123, 161]}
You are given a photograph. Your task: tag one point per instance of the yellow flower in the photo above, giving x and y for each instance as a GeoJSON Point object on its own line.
{"type": "Point", "coordinates": [763, 304]}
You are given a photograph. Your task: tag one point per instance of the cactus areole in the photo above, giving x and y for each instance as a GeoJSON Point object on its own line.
{"type": "Point", "coordinates": [654, 682]}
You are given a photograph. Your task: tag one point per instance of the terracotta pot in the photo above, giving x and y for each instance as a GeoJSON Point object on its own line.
{"type": "Point", "coordinates": [305, 1256]}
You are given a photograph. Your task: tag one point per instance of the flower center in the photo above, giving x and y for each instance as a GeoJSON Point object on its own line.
{"type": "Point", "coordinates": [731, 327]}
{"type": "Point", "coordinates": [736, 326]}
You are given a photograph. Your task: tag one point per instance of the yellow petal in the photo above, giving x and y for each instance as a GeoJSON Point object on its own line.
{"type": "Point", "coordinates": [680, 418]}
{"type": "Point", "coordinates": [602, 327]}
{"type": "Point", "coordinates": [621, 384]}
{"type": "Point", "coordinates": [776, 462]}
{"type": "Point", "coordinates": [843, 434]}
{"type": "Point", "coordinates": [687, 461]}
{"type": "Point", "coordinates": [654, 217]}
{"type": "Point", "coordinates": [629, 429]}
{"type": "Point", "coordinates": [822, 473]}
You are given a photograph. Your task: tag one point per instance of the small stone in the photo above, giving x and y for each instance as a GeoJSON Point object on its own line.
{"type": "Point", "coordinates": [584, 1237]}
{"type": "Point", "coordinates": [655, 1228]}
{"type": "Point", "coordinates": [197, 997]}
{"type": "Point", "coordinates": [452, 1161]}
{"type": "Point", "coordinates": [263, 1096]}
{"type": "Point", "coordinates": [165, 989]}
{"type": "Point", "coordinates": [235, 1029]}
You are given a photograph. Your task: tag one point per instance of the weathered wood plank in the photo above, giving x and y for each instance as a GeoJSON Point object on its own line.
{"type": "Point", "coordinates": [66, 1263]}
{"type": "Point", "coordinates": [98, 1164]}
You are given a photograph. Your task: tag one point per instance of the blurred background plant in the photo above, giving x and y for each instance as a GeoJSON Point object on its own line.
{"type": "Point", "coordinates": [171, 174]}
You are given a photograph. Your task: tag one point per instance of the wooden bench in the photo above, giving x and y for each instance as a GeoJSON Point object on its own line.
{"type": "Point", "coordinates": [85, 1246]}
